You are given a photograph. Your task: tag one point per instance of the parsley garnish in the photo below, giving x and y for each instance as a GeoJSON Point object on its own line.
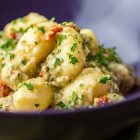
{"type": "Point", "coordinates": [1, 105]}
{"type": "Point", "coordinates": [66, 23]}
{"type": "Point", "coordinates": [60, 39]}
{"type": "Point", "coordinates": [73, 60]}
{"type": "Point", "coordinates": [36, 105]}
{"type": "Point", "coordinates": [8, 45]}
{"type": "Point", "coordinates": [74, 46]}
{"type": "Point", "coordinates": [104, 56]}
{"type": "Point", "coordinates": [3, 65]}
{"type": "Point", "coordinates": [58, 61]}
{"type": "Point", "coordinates": [105, 79]}
{"type": "Point", "coordinates": [41, 29]}
{"type": "Point", "coordinates": [74, 97]}
{"type": "Point", "coordinates": [29, 86]}
{"type": "Point", "coordinates": [23, 62]}
{"type": "Point", "coordinates": [81, 85]}
{"type": "Point", "coordinates": [14, 21]}
{"type": "Point", "coordinates": [61, 104]}
{"type": "Point", "coordinates": [0, 36]}
{"type": "Point", "coordinates": [11, 56]}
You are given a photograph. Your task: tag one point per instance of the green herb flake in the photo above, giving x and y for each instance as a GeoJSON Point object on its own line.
{"type": "Point", "coordinates": [14, 21]}
{"type": "Point", "coordinates": [0, 36]}
{"type": "Point", "coordinates": [60, 39]}
{"type": "Point", "coordinates": [23, 62]}
{"type": "Point", "coordinates": [29, 86]}
{"type": "Point", "coordinates": [11, 56]}
{"type": "Point", "coordinates": [74, 97]}
{"type": "Point", "coordinates": [104, 56]}
{"type": "Point", "coordinates": [105, 79]}
{"type": "Point", "coordinates": [73, 60]}
{"type": "Point", "coordinates": [74, 46]}
{"type": "Point", "coordinates": [61, 104]}
{"type": "Point", "coordinates": [41, 29]}
{"type": "Point", "coordinates": [3, 65]}
{"type": "Point", "coordinates": [8, 45]}
{"type": "Point", "coordinates": [66, 23]}
{"type": "Point", "coordinates": [58, 61]}
{"type": "Point", "coordinates": [1, 105]}
{"type": "Point", "coordinates": [36, 105]}
{"type": "Point", "coordinates": [81, 85]}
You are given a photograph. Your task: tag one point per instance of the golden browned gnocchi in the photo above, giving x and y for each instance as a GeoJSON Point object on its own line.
{"type": "Point", "coordinates": [82, 91]}
{"type": "Point", "coordinates": [33, 95]}
{"type": "Point", "coordinates": [90, 41]}
{"type": "Point", "coordinates": [16, 28]}
{"type": "Point", "coordinates": [31, 50]}
{"type": "Point", "coordinates": [44, 64]}
{"type": "Point", "coordinates": [67, 60]}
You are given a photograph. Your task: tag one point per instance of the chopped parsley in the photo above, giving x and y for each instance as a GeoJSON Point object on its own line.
{"type": "Point", "coordinates": [3, 65]}
{"type": "Point", "coordinates": [1, 105]}
{"type": "Point", "coordinates": [0, 36]}
{"type": "Point", "coordinates": [41, 29]}
{"type": "Point", "coordinates": [29, 86]}
{"type": "Point", "coordinates": [66, 23]}
{"type": "Point", "coordinates": [86, 43]}
{"type": "Point", "coordinates": [11, 56]}
{"type": "Point", "coordinates": [73, 60]}
{"type": "Point", "coordinates": [81, 85]}
{"type": "Point", "coordinates": [61, 104]}
{"type": "Point", "coordinates": [58, 61]}
{"type": "Point", "coordinates": [8, 45]}
{"type": "Point", "coordinates": [74, 46]}
{"type": "Point", "coordinates": [105, 79]}
{"type": "Point", "coordinates": [36, 105]}
{"type": "Point", "coordinates": [14, 21]}
{"type": "Point", "coordinates": [21, 30]}
{"type": "Point", "coordinates": [23, 62]}
{"type": "Point", "coordinates": [60, 39]}
{"type": "Point", "coordinates": [104, 56]}
{"type": "Point", "coordinates": [74, 97]}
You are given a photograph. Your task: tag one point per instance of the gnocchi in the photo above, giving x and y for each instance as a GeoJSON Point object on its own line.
{"type": "Point", "coordinates": [45, 64]}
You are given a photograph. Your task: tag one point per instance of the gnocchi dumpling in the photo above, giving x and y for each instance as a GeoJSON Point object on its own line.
{"type": "Point", "coordinates": [67, 59]}
{"type": "Point", "coordinates": [33, 95]}
{"type": "Point", "coordinates": [91, 83]}
{"type": "Point", "coordinates": [90, 41]}
{"type": "Point", "coordinates": [31, 50]}
{"type": "Point", "coordinates": [18, 27]}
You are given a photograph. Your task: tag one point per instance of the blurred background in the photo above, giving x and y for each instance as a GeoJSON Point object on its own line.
{"type": "Point", "coordinates": [115, 22]}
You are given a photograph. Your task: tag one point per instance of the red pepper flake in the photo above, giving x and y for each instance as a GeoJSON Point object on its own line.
{"type": "Point", "coordinates": [102, 101]}
{"type": "Point", "coordinates": [52, 32]}
{"type": "Point", "coordinates": [13, 35]}
{"type": "Point", "coordinates": [4, 89]}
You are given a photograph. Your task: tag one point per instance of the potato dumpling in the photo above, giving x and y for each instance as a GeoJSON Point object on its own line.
{"type": "Point", "coordinates": [18, 27]}
{"type": "Point", "coordinates": [67, 59]}
{"type": "Point", "coordinates": [90, 41]}
{"type": "Point", "coordinates": [33, 95]}
{"type": "Point", "coordinates": [90, 84]}
{"type": "Point", "coordinates": [126, 79]}
{"type": "Point", "coordinates": [31, 50]}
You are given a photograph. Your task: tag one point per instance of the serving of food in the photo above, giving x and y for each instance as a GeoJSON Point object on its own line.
{"type": "Point", "coordinates": [45, 65]}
